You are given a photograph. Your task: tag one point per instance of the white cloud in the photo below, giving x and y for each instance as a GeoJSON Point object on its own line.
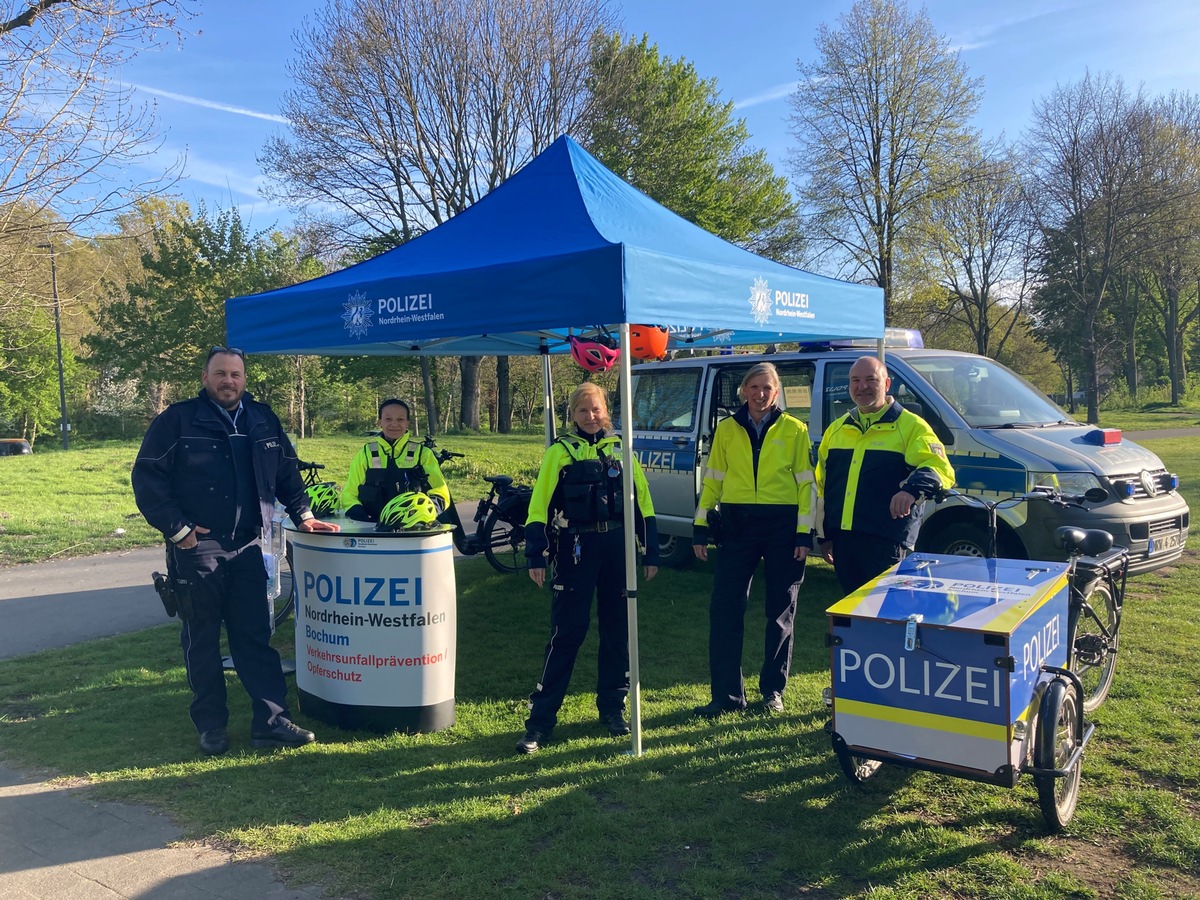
{"type": "Point", "coordinates": [210, 104]}
{"type": "Point", "coordinates": [770, 95]}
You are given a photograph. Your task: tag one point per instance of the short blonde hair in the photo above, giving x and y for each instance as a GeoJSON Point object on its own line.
{"type": "Point", "coordinates": [762, 368]}
{"type": "Point", "coordinates": [589, 390]}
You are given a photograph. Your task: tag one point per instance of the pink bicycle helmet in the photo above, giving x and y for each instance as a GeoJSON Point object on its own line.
{"type": "Point", "coordinates": [594, 354]}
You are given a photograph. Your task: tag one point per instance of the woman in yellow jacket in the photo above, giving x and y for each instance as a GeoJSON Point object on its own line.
{"type": "Point", "coordinates": [760, 472]}
{"type": "Point", "coordinates": [390, 465]}
{"type": "Point", "coordinates": [576, 511]}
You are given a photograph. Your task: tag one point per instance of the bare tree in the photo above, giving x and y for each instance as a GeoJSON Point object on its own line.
{"type": "Point", "coordinates": [68, 126]}
{"type": "Point", "coordinates": [405, 112]}
{"type": "Point", "coordinates": [1091, 149]}
{"type": "Point", "coordinates": [980, 240]}
{"type": "Point", "coordinates": [877, 118]}
{"type": "Point", "coordinates": [1168, 268]}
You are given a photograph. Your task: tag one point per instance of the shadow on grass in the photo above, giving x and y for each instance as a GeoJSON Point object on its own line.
{"type": "Point", "coordinates": [746, 806]}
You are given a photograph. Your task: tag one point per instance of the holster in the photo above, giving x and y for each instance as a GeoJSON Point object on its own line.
{"type": "Point", "coordinates": [174, 591]}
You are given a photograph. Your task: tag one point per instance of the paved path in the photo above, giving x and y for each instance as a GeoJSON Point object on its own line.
{"type": "Point", "coordinates": [55, 842]}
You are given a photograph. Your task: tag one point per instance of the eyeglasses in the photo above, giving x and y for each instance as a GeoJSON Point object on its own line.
{"type": "Point", "coordinates": [233, 351]}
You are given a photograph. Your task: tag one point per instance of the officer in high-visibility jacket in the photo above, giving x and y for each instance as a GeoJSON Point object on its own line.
{"type": "Point", "coordinates": [391, 465]}
{"type": "Point", "coordinates": [760, 471]}
{"type": "Point", "coordinates": [575, 526]}
{"type": "Point", "coordinates": [875, 468]}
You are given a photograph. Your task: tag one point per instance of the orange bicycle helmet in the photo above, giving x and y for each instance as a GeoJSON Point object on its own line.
{"type": "Point", "coordinates": [647, 342]}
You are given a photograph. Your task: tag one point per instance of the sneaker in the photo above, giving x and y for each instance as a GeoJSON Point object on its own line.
{"type": "Point", "coordinates": [712, 710]}
{"type": "Point", "coordinates": [214, 742]}
{"type": "Point", "coordinates": [773, 703]}
{"type": "Point", "coordinates": [615, 723]}
{"type": "Point", "coordinates": [531, 743]}
{"type": "Point", "coordinates": [284, 734]}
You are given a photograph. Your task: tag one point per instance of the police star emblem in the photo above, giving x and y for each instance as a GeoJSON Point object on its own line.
{"type": "Point", "coordinates": [356, 317]}
{"type": "Point", "coordinates": [760, 301]}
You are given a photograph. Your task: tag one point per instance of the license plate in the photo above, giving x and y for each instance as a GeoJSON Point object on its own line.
{"type": "Point", "coordinates": [1167, 542]}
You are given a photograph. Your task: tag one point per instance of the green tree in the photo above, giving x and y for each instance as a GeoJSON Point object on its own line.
{"type": "Point", "coordinates": [880, 118]}
{"type": "Point", "coordinates": [159, 329]}
{"type": "Point", "coordinates": [660, 126]}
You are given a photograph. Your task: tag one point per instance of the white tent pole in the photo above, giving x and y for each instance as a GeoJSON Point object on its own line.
{"type": "Point", "coordinates": [631, 574]}
{"type": "Point", "coordinates": [548, 411]}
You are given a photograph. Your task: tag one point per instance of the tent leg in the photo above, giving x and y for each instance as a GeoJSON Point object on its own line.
{"type": "Point", "coordinates": [631, 574]}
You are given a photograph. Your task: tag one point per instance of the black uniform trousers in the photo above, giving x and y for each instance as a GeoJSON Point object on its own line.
{"type": "Point", "coordinates": [598, 567]}
{"type": "Point", "coordinates": [229, 585]}
{"type": "Point", "coordinates": [859, 556]}
{"type": "Point", "coordinates": [750, 534]}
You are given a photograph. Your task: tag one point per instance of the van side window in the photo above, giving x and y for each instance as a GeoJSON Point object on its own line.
{"type": "Point", "coordinates": [795, 376]}
{"type": "Point", "coordinates": [666, 400]}
{"type": "Point", "coordinates": [837, 400]}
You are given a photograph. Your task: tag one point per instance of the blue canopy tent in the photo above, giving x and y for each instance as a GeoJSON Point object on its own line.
{"type": "Point", "coordinates": [564, 246]}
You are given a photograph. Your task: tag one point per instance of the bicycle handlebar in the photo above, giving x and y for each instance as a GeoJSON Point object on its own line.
{"type": "Point", "coordinates": [1050, 495]}
{"type": "Point", "coordinates": [308, 466]}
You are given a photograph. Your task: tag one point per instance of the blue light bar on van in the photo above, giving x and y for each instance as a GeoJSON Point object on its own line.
{"type": "Point", "coordinates": [893, 338]}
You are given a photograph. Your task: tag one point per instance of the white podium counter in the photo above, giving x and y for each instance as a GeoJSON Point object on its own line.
{"type": "Point", "coordinates": [376, 624]}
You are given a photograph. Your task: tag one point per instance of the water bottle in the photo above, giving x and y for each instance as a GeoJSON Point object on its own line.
{"type": "Point", "coordinates": [273, 549]}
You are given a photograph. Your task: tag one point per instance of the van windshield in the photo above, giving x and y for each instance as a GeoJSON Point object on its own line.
{"type": "Point", "coordinates": [665, 400]}
{"type": "Point", "coordinates": [988, 395]}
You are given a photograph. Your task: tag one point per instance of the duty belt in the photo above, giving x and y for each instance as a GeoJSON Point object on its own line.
{"type": "Point", "coordinates": [599, 526]}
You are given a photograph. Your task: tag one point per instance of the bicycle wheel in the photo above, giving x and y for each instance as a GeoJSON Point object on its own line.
{"type": "Point", "coordinates": [1094, 638]}
{"type": "Point", "coordinates": [503, 543]}
{"type": "Point", "coordinates": [286, 601]}
{"type": "Point", "coordinates": [857, 769]}
{"type": "Point", "coordinates": [1057, 735]}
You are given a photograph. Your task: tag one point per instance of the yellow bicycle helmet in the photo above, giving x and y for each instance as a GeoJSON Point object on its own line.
{"type": "Point", "coordinates": [410, 511]}
{"type": "Point", "coordinates": [323, 498]}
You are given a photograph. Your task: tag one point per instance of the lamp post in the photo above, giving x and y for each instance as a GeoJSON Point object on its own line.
{"type": "Point", "coordinates": [63, 425]}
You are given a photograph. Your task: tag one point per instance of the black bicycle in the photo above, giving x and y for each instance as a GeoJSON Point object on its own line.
{"type": "Point", "coordinates": [499, 519]}
{"type": "Point", "coordinates": [1097, 578]}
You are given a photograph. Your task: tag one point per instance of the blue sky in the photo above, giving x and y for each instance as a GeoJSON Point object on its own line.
{"type": "Point", "coordinates": [218, 94]}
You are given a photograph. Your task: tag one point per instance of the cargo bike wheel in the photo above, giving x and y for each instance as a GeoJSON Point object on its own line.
{"type": "Point", "coordinates": [1058, 753]}
{"type": "Point", "coordinates": [1095, 633]}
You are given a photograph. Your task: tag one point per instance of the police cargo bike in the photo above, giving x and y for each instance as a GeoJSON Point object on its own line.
{"type": "Point", "coordinates": [1001, 434]}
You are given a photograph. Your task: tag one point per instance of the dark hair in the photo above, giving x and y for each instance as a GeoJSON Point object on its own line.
{"type": "Point", "coordinates": [232, 351]}
{"type": "Point", "coordinates": [394, 401]}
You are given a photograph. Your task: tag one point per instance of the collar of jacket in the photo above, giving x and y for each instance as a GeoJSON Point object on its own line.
{"type": "Point", "coordinates": [891, 414]}
{"type": "Point", "coordinates": [208, 410]}
{"type": "Point", "coordinates": [742, 417]}
{"type": "Point", "coordinates": [592, 439]}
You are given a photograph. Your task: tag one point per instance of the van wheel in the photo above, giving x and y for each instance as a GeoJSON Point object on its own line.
{"type": "Point", "coordinates": [962, 539]}
{"type": "Point", "coordinates": [675, 552]}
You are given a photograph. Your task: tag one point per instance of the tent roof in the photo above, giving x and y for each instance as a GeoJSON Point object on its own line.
{"type": "Point", "coordinates": [563, 246]}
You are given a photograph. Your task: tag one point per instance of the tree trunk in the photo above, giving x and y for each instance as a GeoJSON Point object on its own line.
{"type": "Point", "coordinates": [503, 396]}
{"type": "Point", "coordinates": [469, 408]}
{"type": "Point", "coordinates": [1090, 369]}
{"type": "Point", "coordinates": [431, 406]}
{"type": "Point", "coordinates": [301, 397]}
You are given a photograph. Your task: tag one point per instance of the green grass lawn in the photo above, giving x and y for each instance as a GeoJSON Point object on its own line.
{"type": "Point", "coordinates": [746, 807]}
{"type": "Point", "coordinates": [63, 504]}
{"type": "Point", "coordinates": [750, 806]}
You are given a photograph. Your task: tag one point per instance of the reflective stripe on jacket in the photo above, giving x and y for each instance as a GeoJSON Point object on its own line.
{"type": "Point", "coordinates": [860, 469]}
{"type": "Point", "coordinates": [376, 455]}
{"type": "Point", "coordinates": [775, 471]}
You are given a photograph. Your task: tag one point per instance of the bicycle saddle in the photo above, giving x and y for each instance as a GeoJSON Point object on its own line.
{"type": "Point", "coordinates": [1089, 542]}
{"type": "Point", "coordinates": [500, 481]}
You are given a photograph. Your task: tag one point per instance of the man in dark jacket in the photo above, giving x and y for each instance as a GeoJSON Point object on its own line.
{"type": "Point", "coordinates": [875, 468]}
{"type": "Point", "coordinates": [207, 476]}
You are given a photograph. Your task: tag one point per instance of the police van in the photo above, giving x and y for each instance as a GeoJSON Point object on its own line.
{"type": "Point", "coordinates": [1002, 435]}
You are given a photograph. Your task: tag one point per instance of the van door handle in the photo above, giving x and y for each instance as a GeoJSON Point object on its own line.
{"type": "Point", "coordinates": [681, 441]}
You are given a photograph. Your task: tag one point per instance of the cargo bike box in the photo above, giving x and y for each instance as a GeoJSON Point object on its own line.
{"type": "Point", "coordinates": [942, 663]}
